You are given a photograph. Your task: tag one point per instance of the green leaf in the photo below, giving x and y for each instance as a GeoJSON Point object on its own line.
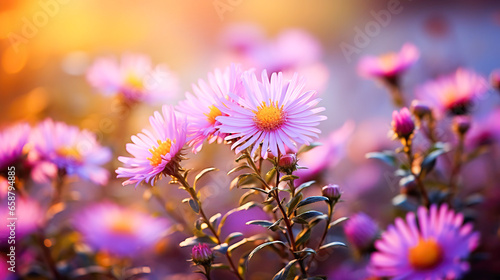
{"type": "Point", "coordinates": [220, 266]}
{"type": "Point", "coordinates": [337, 221]}
{"type": "Point", "coordinates": [292, 205]}
{"type": "Point", "coordinates": [270, 174]}
{"type": "Point", "coordinates": [202, 173]}
{"type": "Point", "coordinates": [261, 246]}
{"type": "Point", "coordinates": [194, 205]}
{"type": "Point", "coordinates": [237, 168]}
{"type": "Point", "coordinates": [283, 273]}
{"type": "Point", "coordinates": [213, 220]}
{"type": "Point", "coordinates": [195, 240]}
{"type": "Point", "coordinates": [305, 148]}
{"type": "Point", "coordinates": [303, 236]}
{"type": "Point", "coordinates": [233, 236]}
{"type": "Point", "coordinates": [309, 214]}
{"type": "Point", "coordinates": [430, 160]}
{"type": "Point", "coordinates": [311, 199]}
{"type": "Point", "coordinates": [303, 186]}
{"type": "Point", "coordinates": [245, 196]}
{"type": "Point", "coordinates": [389, 157]}
{"type": "Point", "coordinates": [242, 156]}
{"type": "Point", "coordinates": [314, 221]}
{"type": "Point", "coordinates": [288, 178]}
{"type": "Point", "coordinates": [276, 225]}
{"type": "Point", "coordinates": [261, 223]}
{"type": "Point", "coordinates": [305, 252]}
{"type": "Point", "coordinates": [332, 244]}
{"type": "Point", "coordinates": [256, 189]}
{"type": "Point", "coordinates": [222, 248]}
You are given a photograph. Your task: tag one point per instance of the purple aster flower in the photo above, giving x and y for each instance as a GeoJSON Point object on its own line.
{"type": "Point", "coordinates": [332, 192]}
{"type": "Point", "coordinates": [389, 65]}
{"type": "Point", "coordinates": [274, 112]}
{"type": "Point", "coordinates": [202, 254]}
{"type": "Point", "coordinates": [134, 79]}
{"type": "Point", "coordinates": [455, 93]}
{"type": "Point", "coordinates": [402, 123]}
{"type": "Point", "coordinates": [73, 150]}
{"type": "Point", "coordinates": [435, 249]}
{"type": "Point", "coordinates": [485, 131]}
{"type": "Point", "coordinates": [30, 217]}
{"type": "Point", "coordinates": [361, 231]}
{"type": "Point", "coordinates": [201, 110]}
{"type": "Point", "coordinates": [117, 230]}
{"type": "Point", "coordinates": [248, 45]}
{"type": "Point", "coordinates": [14, 140]}
{"type": "Point", "coordinates": [155, 152]}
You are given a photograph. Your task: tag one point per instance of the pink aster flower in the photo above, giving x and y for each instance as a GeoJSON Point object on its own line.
{"type": "Point", "coordinates": [14, 140]}
{"type": "Point", "coordinates": [455, 93]}
{"type": "Point", "coordinates": [485, 131]}
{"type": "Point", "coordinates": [361, 231]}
{"type": "Point", "coordinates": [274, 112]}
{"type": "Point", "coordinates": [30, 217]}
{"type": "Point", "coordinates": [389, 65]}
{"type": "Point", "coordinates": [134, 78]}
{"type": "Point", "coordinates": [402, 123]}
{"type": "Point", "coordinates": [200, 108]}
{"type": "Point", "coordinates": [117, 230]}
{"type": "Point", "coordinates": [435, 249]}
{"type": "Point", "coordinates": [155, 152]}
{"type": "Point", "coordinates": [73, 150]}
{"type": "Point", "coordinates": [202, 254]}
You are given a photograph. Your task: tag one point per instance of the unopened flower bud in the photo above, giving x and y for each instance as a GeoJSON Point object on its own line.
{"type": "Point", "coordinates": [419, 109]}
{"type": "Point", "coordinates": [361, 231]}
{"type": "Point", "coordinates": [202, 255]}
{"type": "Point", "coordinates": [332, 192]}
{"type": "Point", "coordinates": [495, 79]}
{"type": "Point", "coordinates": [288, 163]}
{"type": "Point", "coordinates": [402, 123]}
{"type": "Point", "coordinates": [461, 124]}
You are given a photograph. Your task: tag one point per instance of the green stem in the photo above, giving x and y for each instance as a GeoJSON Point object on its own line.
{"type": "Point", "coordinates": [456, 166]}
{"type": "Point", "coordinates": [325, 232]}
{"type": "Point", "coordinates": [193, 195]}
{"type": "Point", "coordinates": [421, 187]}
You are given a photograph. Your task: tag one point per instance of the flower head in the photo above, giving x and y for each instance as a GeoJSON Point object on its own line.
{"type": "Point", "coordinates": [202, 254]}
{"type": "Point", "coordinates": [73, 150]}
{"type": "Point", "coordinates": [155, 152]}
{"type": "Point", "coordinates": [30, 217]}
{"type": "Point", "coordinates": [117, 230]}
{"type": "Point", "coordinates": [402, 123]}
{"type": "Point", "coordinates": [389, 65]}
{"type": "Point", "coordinates": [332, 192]}
{"type": "Point", "coordinates": [435, 249]}
{"type": "Point", "coordinates": [14, 140]}
{"type": "Point", "coordinates": [273, 112]}
{"type": "Point", "coordinates": [455, 93]}
{"type": "Point", "coordinates": [134, 78]}
{"type": "Point", "coordinates": [201, 109]}
{"type": "Point", "coordinates": [361, 231]}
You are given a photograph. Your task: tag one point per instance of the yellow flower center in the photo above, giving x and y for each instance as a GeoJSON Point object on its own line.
{"type": "Point", "coordinates": [157, 152]}
{"type": "Point", "coordinates": [214, 112]}
{"type": "Point", "coordinates": [269, 117]}
{"type": "Point", "coordinates": [122, 225]}
{"type": "Point", "coordinates": [426, 254]}
{"type": "Point", "coordinates": [134, 81]}
{"type": "Point", "coordinates": [388, 61]}
{"type": "Point", "coordinates": [70, 153]}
